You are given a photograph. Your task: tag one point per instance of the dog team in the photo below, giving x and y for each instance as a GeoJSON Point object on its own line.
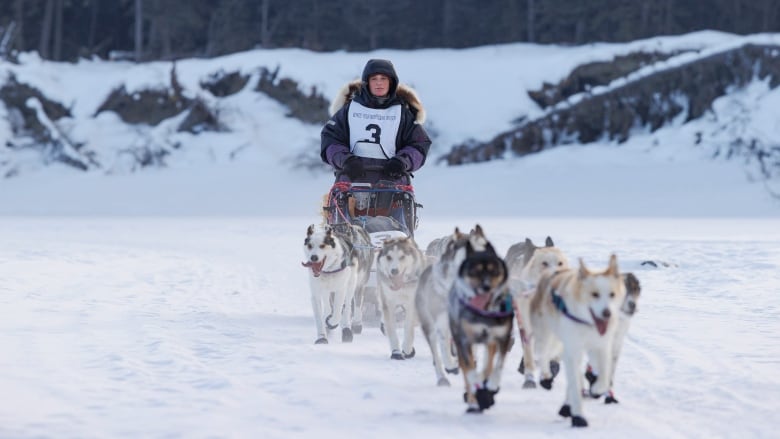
{"type": "Point", "coordinates": [466, 298]}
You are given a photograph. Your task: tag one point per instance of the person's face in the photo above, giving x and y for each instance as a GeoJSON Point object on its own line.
{"type": "Point", "coordinates": [379, 85]}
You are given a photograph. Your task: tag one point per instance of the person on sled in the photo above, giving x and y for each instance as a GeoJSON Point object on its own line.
{"type": "Point", "coordinates": [375, 131]}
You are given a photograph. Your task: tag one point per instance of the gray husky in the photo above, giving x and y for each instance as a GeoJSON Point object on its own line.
{"type": "Point", "coordinates": [431, 301]}
{"type": "Point", "coordinates": [399, 265]}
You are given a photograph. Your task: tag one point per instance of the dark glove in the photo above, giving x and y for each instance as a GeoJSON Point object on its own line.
{"type": "Point", "coordinates": [394, 168]}
{"type": "Point", "coordinates": [353, 167]}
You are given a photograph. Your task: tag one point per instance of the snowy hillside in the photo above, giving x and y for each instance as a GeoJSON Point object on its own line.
{"type": "Point", "coordinates": [473, 93]}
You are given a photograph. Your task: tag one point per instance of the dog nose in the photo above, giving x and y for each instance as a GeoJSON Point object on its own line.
{"type": "Point", "coordinates": [606, 313]}
{"type": "Point", "coordinates": [314, 258]}
{"type": "Point", "coordinates": [394, 271]}
{"type": "Point", "coordinates": [631, 307]}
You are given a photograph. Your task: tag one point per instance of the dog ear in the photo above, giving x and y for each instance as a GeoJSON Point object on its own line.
{"type": "Point", "coordinates": [489, 248]}
{"type": "Point", "coordinates": [632, 284]}
{"type": "Point", "coordinates": [529, 243]}
{"type": "Point", "coordinates": [549, 242]}
{"type": "Point", "coordinates": [583, 272]}
{"type": "Point", "coordinates": [613, 267]}
{"type": "Point", "coordinates": [310, 230]}
{"type": "Point", "coordinates": [478, 231]}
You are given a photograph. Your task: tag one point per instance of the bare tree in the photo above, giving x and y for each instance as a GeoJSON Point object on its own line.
{"type": "Point", "coordinates": [139, 29]}
{"type": "Point", "coordinates": [45, 42]}
{"type": "Point", "coordinates": [57, 54]}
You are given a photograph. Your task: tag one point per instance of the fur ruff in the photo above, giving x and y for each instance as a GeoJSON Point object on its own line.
{"type": "Point", "coordinates": [405, 92]}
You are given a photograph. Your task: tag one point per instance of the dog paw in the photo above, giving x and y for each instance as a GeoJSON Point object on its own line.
{"type": "Point", "coordinates": [555, 367]}
{"type": "Point", "coordinates": [410, 355]}
{"type": "Point", "coordinates": [485, 398]}
{"type": "Point", "coordinates": [474, 410]}
{"type": "Point", "coordinates": [321, 340]}
{"type": "Point", "coordinates": [357, 328]}
{"type": "Point", "coordinates": [327, 322]}
{"type": "Point", "coordinates": [610, 399]}
{"type": "Point", "coordinates": [578, 421]}
{"type": "Point", "coordinates": [546, 383]}
{"type": "Point", "coordinates": [396, 355]}
{"type": "Point", "coordinates": [346, 335]}
{"type": "Point", "coordinates": [452, 371]}
{"type": "Point", "coordinates": [443, 382]}
{"type": "Point", "coordinates": [521, 367]}
{"type": "Point", "coordinates": [565, 411]}
{"type": "Point", "coordinates": [529, 384]}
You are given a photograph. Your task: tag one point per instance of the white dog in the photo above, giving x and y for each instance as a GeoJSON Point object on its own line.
{"type": "Point", "coordinates": [579, 308]}
{"type": "Point", "coordinates": [399, 265]}
{"type": "Point", "coordinates": [338, 266]}
{"type": "Point", "coordinates": [627, 311]}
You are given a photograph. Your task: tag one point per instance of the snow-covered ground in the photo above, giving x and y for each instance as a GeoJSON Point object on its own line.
{"type": "Point", "coordinates": [195, 327]}
{"type": "Point", "coordinates": [171, 302]}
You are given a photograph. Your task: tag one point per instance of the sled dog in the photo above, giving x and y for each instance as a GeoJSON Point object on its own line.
{"type": "Point", "coordinates": [338, 259]}
{"type": "Point", "coordinates": [431, 301]}
{"type": "Point", "coordinates": [542, 261]}
{"type": "Point", "coordinates": [580, 308]}
{"type": "Point", "coordinates": [399, 265]}
{"type": "Point", "coordinates": [481, 313]}
{"type": "Point", "coordinates": [627, 310]}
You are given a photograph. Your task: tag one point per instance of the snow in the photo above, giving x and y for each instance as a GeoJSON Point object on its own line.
{"type": "Point", "coordinates": [171, 303]}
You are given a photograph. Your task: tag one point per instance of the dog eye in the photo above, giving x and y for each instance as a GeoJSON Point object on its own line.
{"type": "Point", "coordinates": [611, 294]}
{"type": "Point", "coordinates": [389, 258]}
{"type": "Point", "coordinates": [560, 263]}
{"type": "Point", "coordinates": [545, 264]}
{"type": "Point", "coordinates": [308, 245]}
{"type": "Point", "coordinates": [595, 294]}
{"type": "Point", "coordinates": [401, 258]}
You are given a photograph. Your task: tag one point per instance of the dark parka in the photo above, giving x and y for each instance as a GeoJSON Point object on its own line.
{"type": "Point", "coordinates": [412, 142]}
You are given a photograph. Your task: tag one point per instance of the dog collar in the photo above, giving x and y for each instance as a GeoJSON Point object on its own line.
{"type": "Point", "coordinates": [309, 264]}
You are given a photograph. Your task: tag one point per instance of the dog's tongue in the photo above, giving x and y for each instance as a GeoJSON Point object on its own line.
{"type": "Point", "coordinates": [601, 324]}
{"type": "Point", "coordinates": [316, 267]}
{"type": "Point", "coordinates": [397, 282]}
{"type": "Point", "coordinates": [480, 301]}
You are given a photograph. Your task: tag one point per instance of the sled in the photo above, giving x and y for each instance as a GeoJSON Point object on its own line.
{"type": "Point", "coordinates": [385, 210]}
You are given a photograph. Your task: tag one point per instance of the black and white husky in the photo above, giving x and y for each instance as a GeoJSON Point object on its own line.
{"type": "Point", "coordinates": [338, 259]}
{"type": "Point", "coordinates": [399, 265]}
{"type": "Point", "coordinates": [481, 313]}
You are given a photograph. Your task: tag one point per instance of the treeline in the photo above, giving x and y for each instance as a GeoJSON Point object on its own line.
{"type": "Point", "coordinates": [169, 29]}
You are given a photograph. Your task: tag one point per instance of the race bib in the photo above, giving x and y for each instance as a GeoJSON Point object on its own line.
{"type": "Point", "coordinates": [372, 131]}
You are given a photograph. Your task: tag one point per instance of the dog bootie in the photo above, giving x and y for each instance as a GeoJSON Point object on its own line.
{"type": "Point", "coordinates": [396, 355]}
{"type": "Point", "coordinates": [346, 335]}
{"type": "Point", "coordinates": [485, 398]}
{"type": "Point", "coordinates": [409, 355]}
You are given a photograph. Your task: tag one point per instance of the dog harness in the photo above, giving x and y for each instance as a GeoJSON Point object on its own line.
{"type": "Point", "coordinates": [560, 305]}
{"type": "Point", "coordinates": [507, 306]}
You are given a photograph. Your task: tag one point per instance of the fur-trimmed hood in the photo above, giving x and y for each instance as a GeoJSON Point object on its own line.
{"type": "Point", "coordinates": [405, 92]}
